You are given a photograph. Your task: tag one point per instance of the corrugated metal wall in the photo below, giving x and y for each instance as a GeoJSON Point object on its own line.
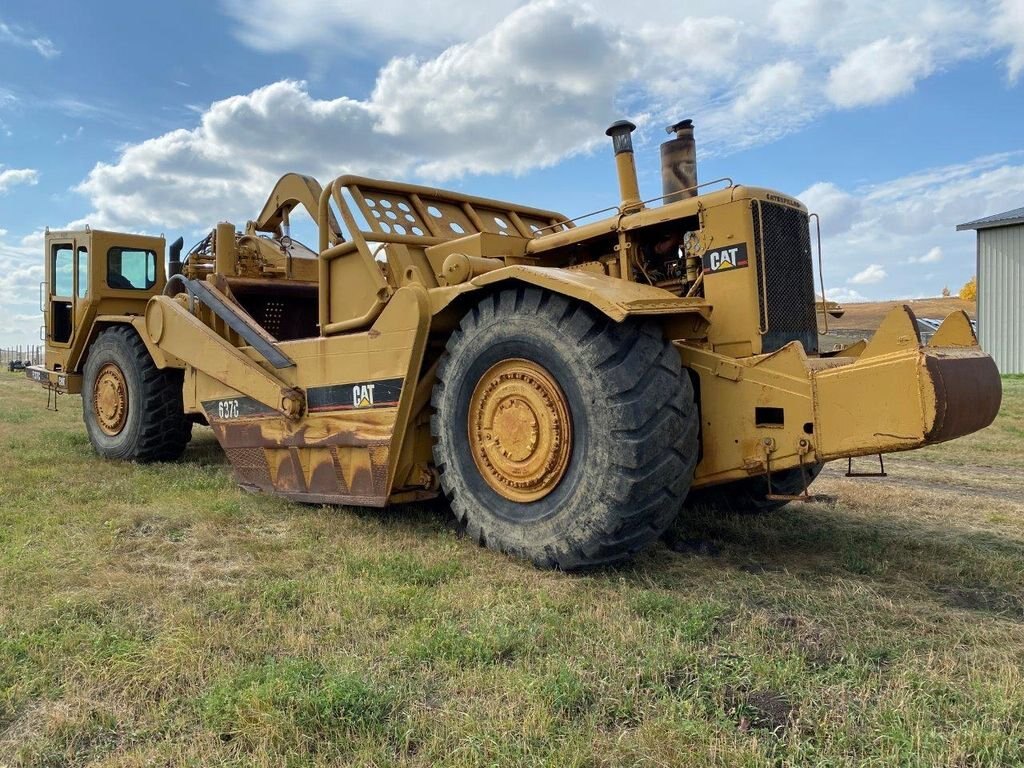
{"type": "Point", "coordinates": [1000, 295]}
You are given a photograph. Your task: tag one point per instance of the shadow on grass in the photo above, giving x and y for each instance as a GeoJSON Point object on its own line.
{"type": "Point", "coordinates": [204, 449]}
{"type": "Point", "coordinates": [961, 568]}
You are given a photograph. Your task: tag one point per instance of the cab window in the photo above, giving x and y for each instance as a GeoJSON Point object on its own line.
{"type": "Point", "coordinates": [131, 268]}
{"type": "Point", "coordinates": [83, 271]}
{"type": "Point", "coordinates": [63, 271]}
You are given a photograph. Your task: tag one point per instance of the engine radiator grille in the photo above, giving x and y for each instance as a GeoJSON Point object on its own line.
{"type": "Point", "coordinates": [785, 275]}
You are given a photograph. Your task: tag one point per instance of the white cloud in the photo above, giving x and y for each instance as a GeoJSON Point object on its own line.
{"type": "Point", "coordinates": [18, 37]}
{"type": "Point", "coordinates": [878, 72]}
{"type": "Point", "coordinates": [14, 176]}
{"type": "Point", "coordinates": [520, 85]}
{"type": "Point", "coordinates": [770, 85]}
{"type": "Point", "coordinates": [845, 296]}
{"type": "Point", "coordinates": [19, 291]}
{"type": "Point", "coordinates": [535, 89]}
{"type": "Point", "coordinates": [289, 25]}
{"type": "Point", "coordinates": [802, 21]}
{"type": "Point", "coordinates": [1008, 30]}
{"type": "Point", "coordinates": [837, 209]}
{"type": "Point", "coordinates": [909, 221]}
{"type": "Point", "coordinates": [872, 273]}
{"type": "Point", "coordinates": [933, 256]}
{"type": "Point", "coordinates": [768, 104]}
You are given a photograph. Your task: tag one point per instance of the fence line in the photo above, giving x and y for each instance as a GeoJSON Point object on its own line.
{"type": "Point", "coordinates": [29, 354]}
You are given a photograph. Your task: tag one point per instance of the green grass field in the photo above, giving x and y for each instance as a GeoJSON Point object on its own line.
{"type": "Point", "coordinates": [156, 615]}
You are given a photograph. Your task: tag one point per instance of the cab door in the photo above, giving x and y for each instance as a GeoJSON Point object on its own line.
{"type": "Point", "coordinates": [67, 283]}
{"type": "Point", "coordinates": [60, 281]}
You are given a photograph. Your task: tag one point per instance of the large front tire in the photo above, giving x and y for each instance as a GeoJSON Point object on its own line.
{"type": "Point", "coordinates": [561, 436]}
{"type": "Point", "coordinates": [132, 410]}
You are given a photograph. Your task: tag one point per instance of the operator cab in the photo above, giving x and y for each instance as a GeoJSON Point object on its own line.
{"type": "Point", "coordinates": [90, 273]}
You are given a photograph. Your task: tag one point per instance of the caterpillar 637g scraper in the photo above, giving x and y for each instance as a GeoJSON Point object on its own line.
{"type": "Point", "coordinates": [569, 387]}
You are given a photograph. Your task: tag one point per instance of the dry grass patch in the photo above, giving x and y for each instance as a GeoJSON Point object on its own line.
{"type": "Point", "coordinates": [158, 615]}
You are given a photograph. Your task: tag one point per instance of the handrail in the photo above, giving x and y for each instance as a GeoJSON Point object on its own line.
{"type": "Point", "coordinates": [328, 253]}
{"type": "Point", "coordinates": [642, 202]}
{"type": "Point", "coordinates": [322, 270]}
{"type": "Point", "coordinates": [694, 188]}
{"type": "Point", "coordinates": [578, 218]}
{"type": "Point", "coordinates": [821, 273]}
{"type": "Point", "coordinates": [445, 195]}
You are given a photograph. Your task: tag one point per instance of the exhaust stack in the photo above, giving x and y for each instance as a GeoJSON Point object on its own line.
{"type": "Point", "coordinates": [224, 249]}
{"type": "Point", "coordinates": [679, 163]}
{"type": "Point", "coordinates": [625, 166]}
{"type": "Point", "coordinates": [174, 263]}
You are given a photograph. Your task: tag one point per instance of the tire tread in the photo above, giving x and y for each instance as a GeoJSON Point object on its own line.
{"type": "Point", "coordinates": [652, 416]}
{"type": "Point", "coordinates": [164, 430]}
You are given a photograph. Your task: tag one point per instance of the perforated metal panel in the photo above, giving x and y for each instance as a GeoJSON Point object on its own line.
{"type": "Point", "coordinates": [785, 277]}
{"type": "Point", "coordinates": [250, 465]}
{"type": "Point", "coordinates": [273, 311]}
{"type": "Point", "coordinates": [408, 210]}
{"type": "Point", "coordinates": [393, 213]}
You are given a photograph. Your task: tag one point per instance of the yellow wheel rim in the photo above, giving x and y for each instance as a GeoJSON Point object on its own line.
{"type": "Point", "coordinates": [520, 433]}
{"type": "Point", "coordinates": [110, 399]}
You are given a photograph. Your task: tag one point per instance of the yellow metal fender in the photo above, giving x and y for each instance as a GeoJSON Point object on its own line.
{"type": "Point", "coordinates": [681, 318]}
{"type": "Point", "coordinates": [614, 297]}
{"type": "Point", "coordinates": [161, 358]}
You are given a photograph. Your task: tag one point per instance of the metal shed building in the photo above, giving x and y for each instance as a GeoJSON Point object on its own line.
{"type": "Point", "coordinates": [1000, 272]}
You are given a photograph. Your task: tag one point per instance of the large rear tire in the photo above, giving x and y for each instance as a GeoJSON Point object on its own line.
{"type": "Point", "coordinates": [132, 410]}
{"type": "Point", "coordinates": [561, 436]}
{"type": "Point", "coordinates": [749, 496]}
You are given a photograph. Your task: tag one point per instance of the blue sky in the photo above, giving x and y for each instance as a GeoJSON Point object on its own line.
{"type": "Point", "coordinates": [894, 120]}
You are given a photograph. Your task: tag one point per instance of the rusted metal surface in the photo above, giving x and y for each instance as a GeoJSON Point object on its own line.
{"type": "Point", "coordinates": [804, 448]}
{"type": "Point", "coordinates": [890, 394]}
{"type": "Point", "coordinates": [679, 163]}
{"type": "Point", "coordinates": [519, 431]}
{"type": "Point", "coordinates": [359, 390]}
{"type": "Point", "coordinates": [333, 458]}
{"type": "Point", "coordinates": [968, 392]}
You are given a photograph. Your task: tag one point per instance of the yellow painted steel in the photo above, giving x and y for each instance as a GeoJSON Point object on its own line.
{"type": "Point", "coordinates": [365, 321]}
{"type": "Point", "coordinates": [92, 299]}
{"type": "Point", "coordinates": [110, 399]}
{"type": "Point", "coordinates": [172, 328]}
{"type": "Point", "coordinates": [340, 450]}
{"type": "Point", "coordinates": [291, 190]}
{"type": "Point", "coordinates": [519, 430]}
